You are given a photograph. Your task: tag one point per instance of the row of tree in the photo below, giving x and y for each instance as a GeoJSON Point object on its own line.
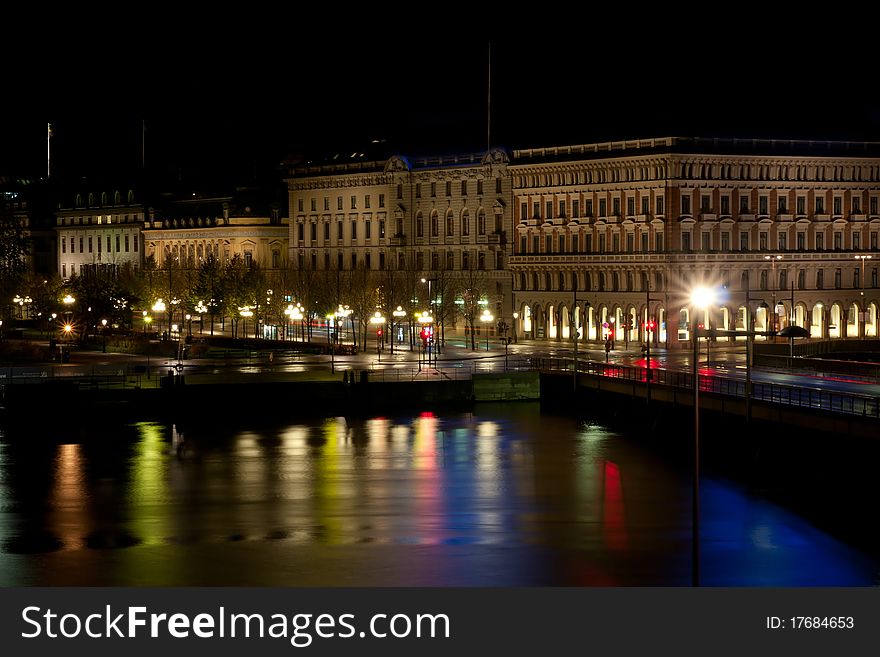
{"type": "Point", "coordinates": [220, 291]}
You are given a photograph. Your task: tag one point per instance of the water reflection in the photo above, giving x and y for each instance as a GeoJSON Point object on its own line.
{"type": "Point", "coordinates": [504, 496]}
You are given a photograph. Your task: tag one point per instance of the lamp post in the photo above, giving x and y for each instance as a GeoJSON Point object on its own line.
{"type": "Point", "coordinates": [773, 260]}
{"type": "Point", "coordinates": [378, 321]}
{"type": "Point", "coordinates": [431, 309]}
{"type": "Point", "coordinates": [425, 320]}
{"type": "Point", "coordinates": [701, 298]}
{"type": "Point", "coordinates": [342, 312]}
{"type": "Point", "coordinates": [159, 307]}
{"type": "Point", "coordinates": [188, 319]}
{"type": "Point", "coordinates": [487, 319]}
{"type": "Point", "coordinates": [649, 334]}
{"type": "Point", "coordinates": [861, 324]}
{"type": "Point", "coordinates": [515, 317]}
{"type": "Point", "coordinates": [245, 312]}
{"type": "Point", "coordinates": [201, 309]}
{"type": "Point", "coordinates": [330, 345]}
{"type": "Point", "coordinates": [104, 336]}
{"type": "Point", "coordinates": [398, 314]}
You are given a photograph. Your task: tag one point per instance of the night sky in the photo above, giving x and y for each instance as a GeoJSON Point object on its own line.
{"type": "Point", "coordinates": [235, 117]}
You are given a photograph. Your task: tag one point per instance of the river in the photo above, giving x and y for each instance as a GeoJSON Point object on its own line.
{"type": "Point", "coordinates": [506, 495]}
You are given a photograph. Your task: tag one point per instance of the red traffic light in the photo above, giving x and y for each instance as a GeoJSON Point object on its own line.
{"type": "Point", "coordinates": [379, 332]}
{"type": "Point", "coordinates": [651, 325]}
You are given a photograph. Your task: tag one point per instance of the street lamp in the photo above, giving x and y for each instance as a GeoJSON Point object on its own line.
{"type": "Point", "coordinates": [104, 336]}
{"type": "Point", "coordinates": [245, 312]}
{"type": "Point", "coordinates": [201, 309]}
{"type": "Point", "coordinates": [378, 321]}
{"type": "Point", "coordinates": [515, 317]}
{"type": "Point", "coordinates": [399, 314]}
{"type": "Point", "coordinates": [329, 317]}
{"type": "Point", "coordinates": [425, 320]}
{"type": "Point", "coordinates": [342, 312]}
{"type": "Point", "coordinates": [861, 324]}
{"type": "Point", "coordinates": [159, 307]}
{"type": "Point", "coordinates": [431, 308]}
{"type": "Point", "coordinates": [702, 298]}
{"type": "Point", "coordinates": [773, 259]}
{"type": "Point", "coordinates": [486, 318]}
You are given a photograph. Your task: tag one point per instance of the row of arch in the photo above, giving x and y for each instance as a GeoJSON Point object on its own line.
{"type": "Point", "coordinates": [627, 322]}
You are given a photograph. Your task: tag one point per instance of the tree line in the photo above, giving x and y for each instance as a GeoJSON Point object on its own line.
{"type": "Point", "coordinates": [217, 292]}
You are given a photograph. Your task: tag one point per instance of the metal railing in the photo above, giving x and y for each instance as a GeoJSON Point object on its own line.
{"type": "Point", "coordinates": [826, 400]}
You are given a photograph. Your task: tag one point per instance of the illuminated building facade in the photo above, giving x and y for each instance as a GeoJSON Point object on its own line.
{"type": "Point", "coordinates": [608, 236]}
{"type": "Point", "coordinates": [98, 229]}
{"type": "Point", "coordinates": [190, 230]}
{"type": "Point", "coordinates": [439, 218]}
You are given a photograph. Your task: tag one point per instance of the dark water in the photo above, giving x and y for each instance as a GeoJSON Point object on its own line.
{"type": "Point", "coordinates": [502, 496]}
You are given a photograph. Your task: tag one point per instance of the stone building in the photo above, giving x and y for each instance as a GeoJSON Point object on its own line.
{"type": "Point", "coordinates": [99, 229]}
{"type": "Point", "coordinates": [444, 219]}
{"type": "Point", "coordinates": [613, 235]}
{"type": "Point", "coordinates": [190, 229]}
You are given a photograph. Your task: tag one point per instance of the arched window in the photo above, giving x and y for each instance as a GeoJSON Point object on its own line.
{"type": "Point", "coordinates": [548, 282]}
{"type": "Point", "coordinates": [465, 223]}
{"type": "Point", "coordinates": [535, 281]}
{"type": "Point", "coordinates": [601, 281]}
{"type": "Point", "coordinates": [588, 282]}
{"type": "Point", "coordinates": [420, 225]}
{"type": "Point", "coordinates": [561, 280]}
{"type": "Point", "coordinates": [116, 198]}
{"type": "Point", "coordinates": [450, 224]}
{"type": "Point", "coordinates": [744, 281]}
{"type": "Point", "coordinates": [103, 198]}
{"type": "Point", "coordinates": [522, 280]}
{"type": "Point", "coordinates": [629, 281]}
{"type": "Point", "coordinates": [130, 196]}
{"type": "Point", "coordinates": [615, 282]}
{"type": "Point", "coordinates": [435, 228]}
{"type": "Point", "coordinates": [481, 222]}
{"type": "Point", "coordinates": [764, 279]}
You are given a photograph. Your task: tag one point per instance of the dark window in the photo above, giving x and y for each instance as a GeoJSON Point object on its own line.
{"type": "Point", "coordinates": [685, 204]}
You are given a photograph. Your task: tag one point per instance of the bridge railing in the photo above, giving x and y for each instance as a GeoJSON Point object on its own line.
{"type": "Point", "coordinates": [826, 400]}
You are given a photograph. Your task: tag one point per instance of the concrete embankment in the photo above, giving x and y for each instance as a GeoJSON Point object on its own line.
{"type": "Point", "coordinates": [179, 397]}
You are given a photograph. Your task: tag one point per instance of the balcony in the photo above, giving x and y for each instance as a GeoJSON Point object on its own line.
{"type": "Point", "coordinates": [497, 238]}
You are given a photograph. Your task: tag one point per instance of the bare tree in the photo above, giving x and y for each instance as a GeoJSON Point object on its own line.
{"type": "Point", "coordinates": [471, 289]}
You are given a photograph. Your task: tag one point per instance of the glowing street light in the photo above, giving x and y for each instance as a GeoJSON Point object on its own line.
{"type": "Point", "coordinates": [159, 307]}
{"type": "Point", "coordinates": [378, 320]}
{"type": "Point", "coordinates": [342, 312]}
{"type": "Point", "coordinates": [398, 314]}
{"type": "Point", "coordinates": [425, 319]}
{"type": "Point", "coordinates": [245, 312]}
{"type": "Point", "coordinates": [487, 319]}
{"type": "Point", "coordinates": [701, 298]}
{"type": "Point", "coordinates": [515, 317]}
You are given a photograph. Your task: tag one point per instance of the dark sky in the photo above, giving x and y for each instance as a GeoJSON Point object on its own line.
{"type": "Point", "coordinates": [234, 116]}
